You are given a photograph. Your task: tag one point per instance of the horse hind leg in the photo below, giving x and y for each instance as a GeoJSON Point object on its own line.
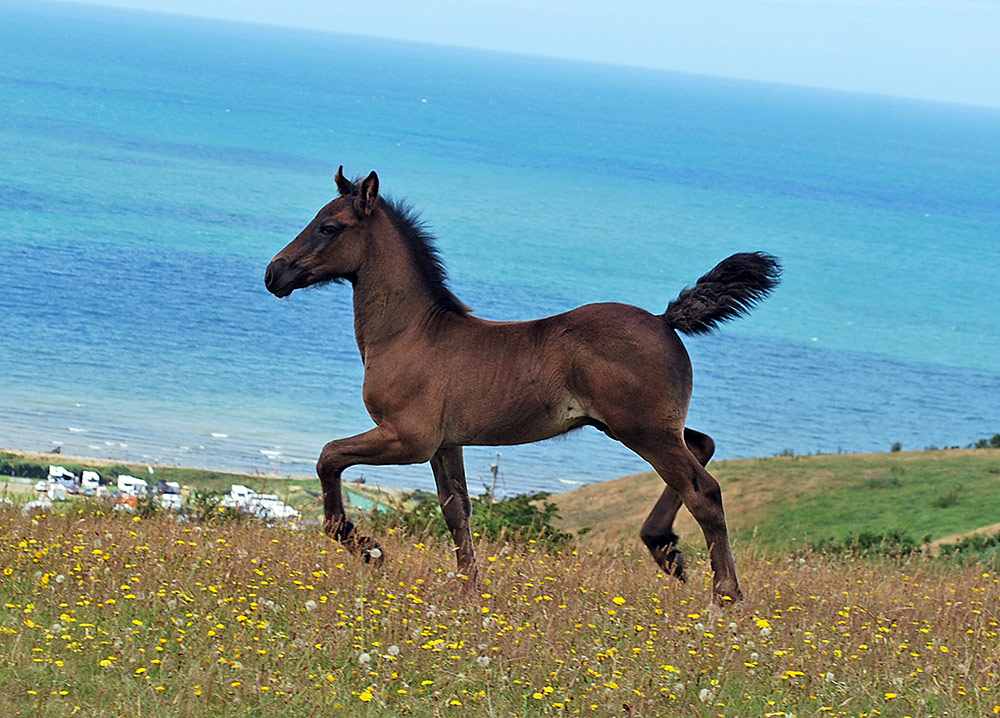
{"type": "Point", "coordinates": [699, 492]}
{"type": "Point", "coordinates": [453, 496]}
{"type": "Point", "coordinates": [658, 529]}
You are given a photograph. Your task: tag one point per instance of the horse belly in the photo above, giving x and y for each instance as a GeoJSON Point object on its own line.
{"type": "Point", "coordinates": [500, 423]}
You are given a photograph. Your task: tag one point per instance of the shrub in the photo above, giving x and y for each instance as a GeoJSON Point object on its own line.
{"type": "Point", "coordinates": [950, 498]}
{"type": "Point", "coordinates": [204, 506]}
{"type": "Point", "coordinates": [521, 518]}
{"type": "Point", "coordinates": [985, 549]}
{"type": "Point", "coordinates": [893, 544]}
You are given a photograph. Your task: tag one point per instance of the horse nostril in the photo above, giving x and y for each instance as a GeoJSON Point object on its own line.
{"type": "Point", "coordinates": [272, 273]}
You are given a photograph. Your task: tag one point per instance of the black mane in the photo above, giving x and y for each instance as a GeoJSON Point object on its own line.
{"type": "Point", "coordinates": [421, 244]}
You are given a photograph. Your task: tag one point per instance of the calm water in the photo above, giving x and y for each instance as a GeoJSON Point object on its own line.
{"type": "Point", "coordinates": [150, 167]}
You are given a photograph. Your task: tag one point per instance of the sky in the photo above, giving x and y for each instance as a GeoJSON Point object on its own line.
{"type": "Point", "coordinates": [945, 50]}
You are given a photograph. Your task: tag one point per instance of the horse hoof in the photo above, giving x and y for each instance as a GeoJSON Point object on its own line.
{"type": "Point", "coordinates": [674, 565]}
{"type": "Point", "coordinates": [372, 553]}
{"type": "Point", "coordinates": [727, 599]}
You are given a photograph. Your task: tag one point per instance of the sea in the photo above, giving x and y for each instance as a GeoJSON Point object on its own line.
{"type": "Point", "coordinates": [151, 165]}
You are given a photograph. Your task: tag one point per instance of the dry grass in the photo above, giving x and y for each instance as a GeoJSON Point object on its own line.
{"type": "Point", "coordinates": [108, 615]}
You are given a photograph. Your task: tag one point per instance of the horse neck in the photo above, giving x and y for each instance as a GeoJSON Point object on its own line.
{"type": "Point", "coordinates": [390, 296]}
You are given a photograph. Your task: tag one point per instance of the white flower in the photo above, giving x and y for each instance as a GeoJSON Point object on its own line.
{"type": "Point", "coordinates": [828, 677]}
{"type": "Point", "coordinates": [311, 605]}
{"type": "Point", "coordinates": [765, 631]}
{"type": "Point", "coordinates": [754, 656]}
{"type": "Point", "coordinates": [364, 658]}
{"type": "Point", "coordinates": [483, 661]}
{"type": "Point", "coordinates": [705, 695]}
{"type": "Point", "coordinates": [60, 578]}
{"type": "Point", "coordinates": [393, 650]}
{"type": "Point", "coordinates": [375, 552]}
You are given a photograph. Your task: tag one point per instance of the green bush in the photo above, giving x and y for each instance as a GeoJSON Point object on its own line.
{"type": "Point", "coordinates": [892, 544]}
{"type": "Point", "coordinates": [984, 549]}
{"type": "Point", "coordinates": [949, 498]}
{"type": "Point", "coordinates": [521, 518]}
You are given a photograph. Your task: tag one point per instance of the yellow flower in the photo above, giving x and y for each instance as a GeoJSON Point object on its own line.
{"type": "Point", "coordinates": [619, 600]}
{"type": "Point", "coordinates": [365, 696]}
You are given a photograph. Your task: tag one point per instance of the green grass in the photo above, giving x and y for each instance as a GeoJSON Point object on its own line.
{"type": "Point", "coordinates": [830, 497]}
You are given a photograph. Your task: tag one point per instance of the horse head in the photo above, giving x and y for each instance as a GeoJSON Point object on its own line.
{"type": "Point", "coordinates": [332, 246]}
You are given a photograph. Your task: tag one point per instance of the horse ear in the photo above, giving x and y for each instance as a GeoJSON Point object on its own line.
{"type": "Point", "coordinates": [344, 185]}
{"type": "Point", "coordinates": [368, 198]}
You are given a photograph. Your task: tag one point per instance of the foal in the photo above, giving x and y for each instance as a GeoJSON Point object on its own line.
{"type": "Point", "coordinates": [438, 378]}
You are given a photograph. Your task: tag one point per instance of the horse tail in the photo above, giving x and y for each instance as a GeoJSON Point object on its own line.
{"type": "Point", "coordinates": [730, 290]}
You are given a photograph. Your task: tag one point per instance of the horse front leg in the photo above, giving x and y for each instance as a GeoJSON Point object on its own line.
{"type": "Point", "coordinates": [453, 496]}
{"type": "Point", "coordinates": [378, 446]}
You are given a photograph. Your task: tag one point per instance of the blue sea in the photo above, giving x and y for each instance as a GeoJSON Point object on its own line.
{"type": "Point", "coordinates": [151, 165]}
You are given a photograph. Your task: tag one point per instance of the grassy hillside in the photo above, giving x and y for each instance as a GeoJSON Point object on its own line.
{"type": "Point", "coordinates": [781, 502]}
{"type": "Point", "coordinates": [151, 618]}
{"type": "Point", "coordinates": [786, 501]}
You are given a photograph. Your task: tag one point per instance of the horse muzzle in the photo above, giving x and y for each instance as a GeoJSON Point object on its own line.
{"type": "Point", "coordinates": [281, 277]}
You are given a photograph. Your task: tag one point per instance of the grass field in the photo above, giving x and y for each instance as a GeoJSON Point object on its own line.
{"type": "Point", "coordinates": [109, 614]}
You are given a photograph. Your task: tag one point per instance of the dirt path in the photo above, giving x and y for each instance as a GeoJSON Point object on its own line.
{"type": "Point", "coordinates": [981, 531]}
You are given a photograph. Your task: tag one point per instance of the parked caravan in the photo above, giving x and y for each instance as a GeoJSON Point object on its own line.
{"type": "Point", "coordinates": [132, 486]}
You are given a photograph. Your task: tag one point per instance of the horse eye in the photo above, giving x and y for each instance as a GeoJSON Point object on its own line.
{"type": "Point", "coordinates": [328, 230]}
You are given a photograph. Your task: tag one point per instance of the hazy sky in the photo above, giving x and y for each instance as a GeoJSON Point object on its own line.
{"type": "Point", "coordinates": [947, 50]}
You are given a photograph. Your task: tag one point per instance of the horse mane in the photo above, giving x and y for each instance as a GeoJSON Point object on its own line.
{"type": "Point", "coordinates": [425, 253]}
{"type": "Point", "coordinates": [420, 242]}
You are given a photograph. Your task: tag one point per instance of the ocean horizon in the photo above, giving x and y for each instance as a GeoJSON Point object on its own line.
{"type": "Point", "coordinates": [152, 165]}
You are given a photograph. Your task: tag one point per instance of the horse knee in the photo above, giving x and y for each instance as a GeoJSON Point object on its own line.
{"type": "Point", "coordinates": [329, 464]}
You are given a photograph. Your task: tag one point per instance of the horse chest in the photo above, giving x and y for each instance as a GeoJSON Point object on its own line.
{"type": "Point", "coordinates": [397, 387]}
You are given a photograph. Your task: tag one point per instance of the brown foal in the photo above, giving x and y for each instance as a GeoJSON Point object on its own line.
{"type": "Point", "coordinates": [438, 378]}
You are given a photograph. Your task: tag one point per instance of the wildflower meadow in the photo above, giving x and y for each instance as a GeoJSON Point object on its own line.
{"type": "Point", "coordinates": [110, 614]}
